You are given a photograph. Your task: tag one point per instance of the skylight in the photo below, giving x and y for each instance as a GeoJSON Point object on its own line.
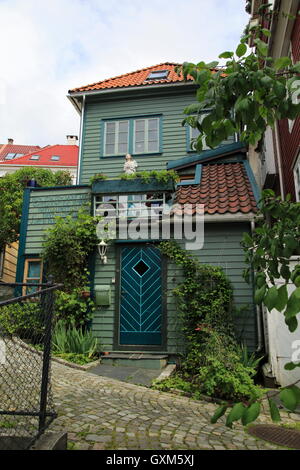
{"type": "Point", "coordinates": [55, 157]}
{"type": "Point", "coordinates": [35, 157]}
{"type": "Point", "coordinates": [158, 75]}
{"type": "Point", "coordinates": [10, 156]}
{"type": "Point", "coordinates": [19, 155]}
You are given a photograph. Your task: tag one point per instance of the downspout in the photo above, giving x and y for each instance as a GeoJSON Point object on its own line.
{"type": "Point", "coordinates": [260, 336]}
{"type": "Point", "coordinates": [80, 140]}
{"type": "Point", "coordinates": [278, 155]}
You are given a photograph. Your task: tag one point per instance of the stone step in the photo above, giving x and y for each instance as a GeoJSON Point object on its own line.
{"type": "Point", "coordinates": [142, 360]}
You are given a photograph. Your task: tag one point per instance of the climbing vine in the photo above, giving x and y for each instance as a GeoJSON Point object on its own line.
{"type": "Point", "coordinates": [211, 362]}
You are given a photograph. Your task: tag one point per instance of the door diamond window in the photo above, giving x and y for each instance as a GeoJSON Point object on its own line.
{"type": "Point", "coordinates": [141, 268]}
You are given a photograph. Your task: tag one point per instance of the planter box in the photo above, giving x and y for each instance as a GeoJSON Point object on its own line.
{"type": "Point", "coordinates": [136, 185]}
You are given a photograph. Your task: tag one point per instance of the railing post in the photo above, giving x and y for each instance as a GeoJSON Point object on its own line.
{"type": "Point", "coordinates": [48, 305]}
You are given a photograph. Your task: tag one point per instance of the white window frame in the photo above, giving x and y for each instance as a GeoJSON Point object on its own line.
{"type": "Point", "coordinates": [297, 178]}
{"type": "Point", "coordinates": [146, 133]}
{"type": "Point", "coordinates": [116, 143]}
{"type": "Point", "coordinates": [191, 137]}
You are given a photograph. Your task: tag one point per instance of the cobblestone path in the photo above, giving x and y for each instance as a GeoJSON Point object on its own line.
{"type": "Point", "coordinates": [102, 413]}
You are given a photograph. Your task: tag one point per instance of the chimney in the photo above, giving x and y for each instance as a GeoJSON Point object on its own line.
{"type": "Point", "coordinates": [10, 141]}
{"type": "Point", "coordinates": [72, 139]}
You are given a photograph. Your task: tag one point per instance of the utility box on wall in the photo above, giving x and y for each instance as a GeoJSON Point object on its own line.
{"type": "Point", "coordinates": [103, 295]}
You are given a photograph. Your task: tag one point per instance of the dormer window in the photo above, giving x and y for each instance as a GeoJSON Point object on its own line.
{"type": "Point", "coordinates": [35, 157]}
{"type": "Point", "coordinates": [158, 75]}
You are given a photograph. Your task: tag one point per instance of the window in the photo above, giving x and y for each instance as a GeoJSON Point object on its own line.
{"type": "Point", "coordinates": [10, 156]}
{"type": "Point", "coordinates": [116, 137]}
{"type": "Point", "coordinates": [131, 205]}
{"type": "Point", "coordinates": [35, 157]}
{"type": "Point", "coordinates": [32, 274]}
{"type": "Point", "coordinates": [158, 75]}
{"type": "Point", "coordinates": [135, 136]}
{"type": "Point", "coordinates": [146, 135]}
{"type": "Point", "coordinates": [55, 158]}
{"type": "Point", "coordinates": [297, 178]}
{"type": "Point", "coordinates": [193, 135]}
{"type": "Point", "coordinates": [19, 155]}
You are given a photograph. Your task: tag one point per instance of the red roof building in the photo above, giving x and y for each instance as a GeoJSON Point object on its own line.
{"type": "Point", "coordinates": [58, 157]}
{"type": "Point", "coordinates": [156, 74]}
{"type": "Point", "coordinates": [10, 150]}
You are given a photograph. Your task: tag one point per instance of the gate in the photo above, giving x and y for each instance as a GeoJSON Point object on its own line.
{"type": "Point", "coordinates": [26, 401]}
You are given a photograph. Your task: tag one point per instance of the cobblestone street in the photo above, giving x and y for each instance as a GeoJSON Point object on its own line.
{"type": "Point", "coordinates": [102, 413]}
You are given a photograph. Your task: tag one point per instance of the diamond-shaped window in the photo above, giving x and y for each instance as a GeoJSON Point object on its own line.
{"type": "Point", "coordinates": [141, 268]}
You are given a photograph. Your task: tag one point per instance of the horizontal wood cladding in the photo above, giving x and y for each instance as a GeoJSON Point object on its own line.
{"type": "Point", "coordinates": [44, 206]}
{"type": "Point", "coordinates": [295, 40]}
{"type": "Point", "coordinates": [169, 107]}
{"type": "Point", "coordinates": [10, 262]}
{"type": "Point", "coordinates": [221, 248]}
{"type": "Point", "coordinates": [289, 147]}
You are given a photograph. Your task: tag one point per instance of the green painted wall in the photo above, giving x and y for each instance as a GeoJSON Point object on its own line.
{"type": "Point", "coordinates": [222, 248]}
{"type": "Point", "coordinates": [174, 143]}
{"type": "Point", "coordinates": [44, 206]}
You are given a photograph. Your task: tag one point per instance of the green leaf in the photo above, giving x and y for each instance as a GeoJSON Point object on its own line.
{"type": "Point", "coordinates": [282, 298]}
{"type": "Point", "coordinates": [241, 50]}
{"type": "Point", "coordinates": [296, 392]}
{"type": "Point", "coordinates": [292, 324]}
{"type": "Point", "coordinates": [251, 413]}
{"type": "Point", "coordinates": [275, 415]}
{"type": "Point", "coordinates": [235, 414]}
{"type": "Point", "coordinates": [259, 294]}
{"type": "Point", "coordinates": [266, 32]}
{"type": "Point", "coordinates": [219, 412]}
{"type": "Point", "coordinates": [262, 47]}
{"type": "Point", "coordinates": [293, 304]}
{"type": "Point", "coordinates": [285, 272]}
{"type": "Point", "coordinates": [271, 298]}
{"type": "Point", "coordinates": [282, 62]}
{"type": "Point", "coordinates": [226, 55]}
{"type": "Point", "coordinates": [288, 398]}
{"type": "Point", "coordinates": [291, 365]}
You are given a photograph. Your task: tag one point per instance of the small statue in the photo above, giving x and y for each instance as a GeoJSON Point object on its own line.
{"type": "Point", "coordinates": [130, 165]}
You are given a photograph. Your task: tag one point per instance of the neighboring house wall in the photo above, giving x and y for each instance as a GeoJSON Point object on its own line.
{"type": "Point", "coordinates": [9, 265]}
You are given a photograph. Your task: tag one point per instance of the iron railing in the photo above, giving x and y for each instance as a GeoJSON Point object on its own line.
{"type": "Point", "coordinates": [26, 400]}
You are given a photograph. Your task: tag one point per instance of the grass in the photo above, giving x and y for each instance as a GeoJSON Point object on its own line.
{"type": "Point", "coordinates": [80, 359]}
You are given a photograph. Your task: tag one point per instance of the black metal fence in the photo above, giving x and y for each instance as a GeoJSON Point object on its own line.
{"type": "Point", "coordinates": [26, 401]}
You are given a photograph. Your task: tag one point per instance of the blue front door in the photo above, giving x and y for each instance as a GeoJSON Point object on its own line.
{"type": "Point", "coordinates": [141, 296]}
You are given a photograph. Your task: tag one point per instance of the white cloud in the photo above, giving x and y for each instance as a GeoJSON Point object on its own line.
{"type": "Point", "coordinates": [48, 47]}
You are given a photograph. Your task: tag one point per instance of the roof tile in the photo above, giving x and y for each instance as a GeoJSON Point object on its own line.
{"type": "Point", "coordinates": [223, 188]}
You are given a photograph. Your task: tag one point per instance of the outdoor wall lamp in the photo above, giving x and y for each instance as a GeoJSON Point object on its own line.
{"type": "Point", "coordinates": [102, 249]}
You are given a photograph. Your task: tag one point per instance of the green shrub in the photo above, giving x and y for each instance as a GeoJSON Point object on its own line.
{"type": "Point", "coordinates": [212, 363]}
{"type": "Point", "coordinates": [72, 308]}
{"type": "Point", "coordinates": [68, 339]}
{"type": "Point", "coordinates": [22, 319]}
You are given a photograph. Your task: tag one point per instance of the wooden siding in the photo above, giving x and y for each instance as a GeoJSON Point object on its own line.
{"type": "Point", "coordinates": [10, 262]}
{"type": "Point", "coordinates": [44, 206]}
{"type": "Point", "coordinates": [221, 248]}
{"type": "Point", "coordinates": [174, 141]}
{"type": "Point", "coordinates": [290, 139]}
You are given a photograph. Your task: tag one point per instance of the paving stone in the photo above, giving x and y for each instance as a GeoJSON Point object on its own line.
{"type": "Point", "coordinates": [102, 413]}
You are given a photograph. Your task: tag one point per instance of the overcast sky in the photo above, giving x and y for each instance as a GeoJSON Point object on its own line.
{"type": "Point", "coordinates": [50, 46]}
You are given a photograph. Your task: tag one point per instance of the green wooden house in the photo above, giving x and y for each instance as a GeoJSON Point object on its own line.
{"type": "Point", "coordinates": [141, 113]}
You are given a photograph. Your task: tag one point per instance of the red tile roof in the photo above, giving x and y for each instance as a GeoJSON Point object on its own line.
{"type": "Point", "coordinates": [223, 188]}
{"type": "Point", "coordinates": [68, 156]}
{"type": "Point", "coordinates": [137, 78]}
{"type": "Point", "coordinates": [12, 148]}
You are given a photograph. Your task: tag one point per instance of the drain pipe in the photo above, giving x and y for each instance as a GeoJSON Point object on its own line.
{"type": "Point", "coordinates": [260, 336]}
